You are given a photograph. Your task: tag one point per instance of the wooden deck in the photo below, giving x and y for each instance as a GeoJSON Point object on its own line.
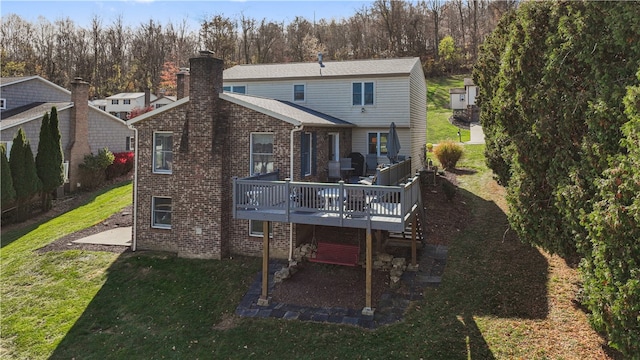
{"type": "Point", "coordinates": [343, 205]}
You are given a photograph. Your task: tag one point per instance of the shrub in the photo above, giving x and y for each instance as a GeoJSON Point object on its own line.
{"type": "Point", "coordinates": [122, 164]}
{"type": "Point", "coordinates": [448, 153]}
{"type": "Point", "coordinates": [93, 168]}
{"type": "Point", "coordinates": [8, 192]}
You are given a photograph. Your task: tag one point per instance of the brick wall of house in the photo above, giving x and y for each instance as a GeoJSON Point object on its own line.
{"type": "Point", "coordinates": [211, 145]}
{"type": "Point", "coordinates": [150, 184]}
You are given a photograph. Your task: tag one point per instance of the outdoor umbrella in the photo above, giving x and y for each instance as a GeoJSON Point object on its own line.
{"type": "Point", "coordinates": [393, 143]}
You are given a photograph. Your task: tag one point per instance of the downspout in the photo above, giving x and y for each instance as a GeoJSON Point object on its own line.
{"type": "Point", "coordinates": [293, 131]}
{"type": "Point", "coordinates": [134, 233]}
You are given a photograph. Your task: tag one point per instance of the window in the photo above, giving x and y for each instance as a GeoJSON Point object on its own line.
{"type": "Point", "coordinates": [159, 105]}
{"type": "Point", "coordinates": [256, 228]}
{"type": "Point", "coordinates": [162, 152]}
{"type": "Point", "coordinates": [102, 107]}
{"type": "Point", "coordinates": [114, 102]}
{"type": "Point", "coordinates": [126, 101]}
{"type": "Point", "coordinates": [298, 92]}
{"type": "Point", "coordinates": [65, 166]}
{"type": "Point", "coordinates": [261, 153]}
{"type": "Point", "coordinates": [362, 93]}
{"type": "Point", "coordinates": [3, 104]}
{"type": "Point", "coordinates": [378, 143]}
{"type": "Point", "coordinates": [305, 150]}
{"type": "Point", "coordinates": [161, 212]}
{"type": "Point", "coordinates": [129, 145]}
{"type": "Point", "coordinates": [238, 89]}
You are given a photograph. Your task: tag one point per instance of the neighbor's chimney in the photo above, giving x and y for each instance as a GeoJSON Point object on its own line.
{"type": "Point", "coordinates": [147, 97]}
{"type": "Point", "coordinates": [79, 130]}
{"type": "Point", "coordinates": [182, 83]}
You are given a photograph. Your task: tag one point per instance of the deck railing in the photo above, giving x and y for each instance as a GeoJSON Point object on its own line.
{"type": "Point", "coordinates": [394, 174]}
{"type": "Point", "coordinates": [336, 204]}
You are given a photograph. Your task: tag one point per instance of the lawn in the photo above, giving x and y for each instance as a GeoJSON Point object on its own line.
{"type": "Point", "coordinates": [499, 298]}
{"type": "Point", "coordinates": [438, 126]}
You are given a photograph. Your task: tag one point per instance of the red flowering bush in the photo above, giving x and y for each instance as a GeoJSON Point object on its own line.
{"type": "Point", "coordinates": [122, 164]}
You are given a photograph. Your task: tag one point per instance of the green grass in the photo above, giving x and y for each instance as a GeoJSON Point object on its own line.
{"type": "Point", "coordinates": [438, 126]}
{"type": "Point", "coordinates": [499, 298]}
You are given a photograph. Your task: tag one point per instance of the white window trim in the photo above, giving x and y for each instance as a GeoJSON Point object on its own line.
{"type": "Point", "coordinates": [260, 234]}
{"type": "Point", "coordinates": [115, 102]}
{"type": "Point", "coordinates": [3, 103]}
{"type": "Point", "coordinates": [378, 142]}
{"type": "Point", "coordinates": [304, 92]}
{"type": "Point", "coordinates": [153, 203]}
{"type": "Point", "coordinates": [153, 154]}
{"type": "Point", "coordinates": [310, 153]}
{"type": "Point", "coordinates": [362, 105]}
{"type": "Point", "coordinates": [126, 102]}
{"type": "Point", "coordinates": [232, 87]}
{"type": "Point", "coordinates": [251, 148]}
{"type": "Point", "coordinates": [336, 147]}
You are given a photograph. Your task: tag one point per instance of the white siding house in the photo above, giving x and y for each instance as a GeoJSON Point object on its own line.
{"type": "Point", "coordinates": [120, 105]}
{"type": "Point", "coordinates": [369, 94]}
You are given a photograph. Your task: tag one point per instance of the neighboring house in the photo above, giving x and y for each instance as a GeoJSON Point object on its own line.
{"type": "Point", "coordinates": [463, 100]}
{"type": "Point", "coordinates": [120, 105]}
{"type": "Point", "coordinates": [162, 101]}
{"type": "Point", "coordinates": [370, 94]}
{"type": "Point", "coordinates": [189, 151]}
{"type": "Point", "coordinates": [84, 129]}
{"type": "Point", "coordinates": [100, 104]}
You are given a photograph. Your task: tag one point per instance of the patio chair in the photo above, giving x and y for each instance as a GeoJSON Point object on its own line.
{"type": "Point", "coordinates": [334, 171]}
{"type": "Point", "coordinates": [356, 202]}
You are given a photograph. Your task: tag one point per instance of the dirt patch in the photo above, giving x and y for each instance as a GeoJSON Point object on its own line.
{"type": "Point", "coordinates": [323, 285]}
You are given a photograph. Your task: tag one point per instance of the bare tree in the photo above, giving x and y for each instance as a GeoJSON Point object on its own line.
{"type": "Point", "coordinates": [219, 36]}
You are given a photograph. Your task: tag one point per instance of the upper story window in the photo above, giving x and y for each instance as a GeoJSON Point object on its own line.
{"type": "Point", "coordinates": [378, 143]}
{"type": "Point", "coordinates": [262, 160]}
{"type": "Point", "coordinates": [162, 152]}
{"type": "Point", "coordinates": [298, 92]}
{"type": "Point", "coordinates": [3, 104]}
{"type": "Point", "coordinates": [114, 101]}
{"type": "Point", "coordinates": [238, 89]}
{"type": "Point", "coordinates": [362, 93]}
{"type": "Point", "coordinates": [102, 107]}
{"type": "Point", "coordinates": [161, 212]}
{"type": "Point", "coordinates": [126, 101]}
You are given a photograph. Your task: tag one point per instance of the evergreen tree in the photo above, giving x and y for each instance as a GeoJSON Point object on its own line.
{"type": "Point", "coordinates": [23, 172]}
{"type": "Point", "coordinates": [8, 192]}
{"type": "Point", "coordinates": [49, 157]}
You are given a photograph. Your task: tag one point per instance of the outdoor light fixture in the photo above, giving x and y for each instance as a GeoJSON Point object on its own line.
{"type": "Point", "coordinates": [459, 136]}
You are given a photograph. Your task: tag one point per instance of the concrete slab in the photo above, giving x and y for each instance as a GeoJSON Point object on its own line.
{"type": "Point", "coordinates": [118, 236]}
{"type": "Point", "coordinates": [477, 135]}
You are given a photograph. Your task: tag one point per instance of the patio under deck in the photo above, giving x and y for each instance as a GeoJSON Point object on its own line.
{"type": "Point", "coordinates": [367, 207]}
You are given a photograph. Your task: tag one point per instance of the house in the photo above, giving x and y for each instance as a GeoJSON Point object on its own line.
{"type": "Point", "coordinates": [463, 101]}
{"type": "Point", "coordinates": [199, 161]}
{"type": "Point", "coordinates": [188, 151]}
{"type": "Point", "coordinates": [84, 129]}
{"type": "Point", "coordinates": [370, 94]}
{"type": "Point", "coordinates": [162, 101]}
{"type": "Point", "coordinates": [120, 105]}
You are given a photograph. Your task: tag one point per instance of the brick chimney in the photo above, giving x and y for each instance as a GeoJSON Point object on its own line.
{"type": "Point", "coordinates": [182, 83]}
{"type": "Point", "coordinates": [147, 97]}
{"type": "Point", "coordinates": [78, 131]}
{"type": "Point", "coordinates": [202, 166]}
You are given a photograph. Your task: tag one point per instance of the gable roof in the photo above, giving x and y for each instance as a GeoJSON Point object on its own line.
{"type": "Point", "coordinates": [285, 111]}
{"type": "Point", "coordinates": [332, 69]}
{"type": "Point", "coordinates": [468, 82]}
{"type": "Point", "coordinates": [26, 113]}
{"type": "Point", "coordinates": [133, 95]}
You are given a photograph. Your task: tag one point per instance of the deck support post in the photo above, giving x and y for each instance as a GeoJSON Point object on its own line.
{"type": "Point", "coordinates": [414, 230]}
{"type": "Point", "coordinates": [264, 297]}
{"type": "Point", "coordinates": [368, 310]}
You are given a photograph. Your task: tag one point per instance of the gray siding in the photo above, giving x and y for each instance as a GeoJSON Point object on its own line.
{"type": "Point", "coordinates": [105, 131]}
{"type": "Point", "coordinates": [29, 91]}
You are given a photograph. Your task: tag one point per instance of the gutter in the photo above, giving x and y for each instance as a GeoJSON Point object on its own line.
{"type": "Point", "coordinates": [293, 131]}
